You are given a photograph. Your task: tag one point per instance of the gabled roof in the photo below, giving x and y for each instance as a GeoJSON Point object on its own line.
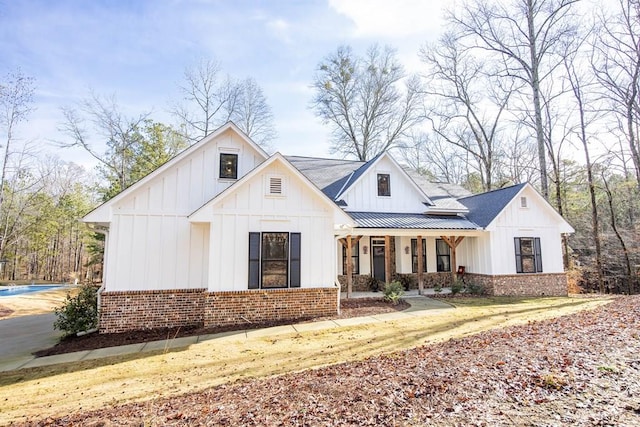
{"type": "Point", "coordinates": [100, 213]}
{"type": "Point", "coordinates": [485, 207]}
{"type": "Point", "coordinates": [197, 215]}
{"type": "Point", "coordinates": [411, 221]}
{"type": "Point", "coordinates": [329, 175]}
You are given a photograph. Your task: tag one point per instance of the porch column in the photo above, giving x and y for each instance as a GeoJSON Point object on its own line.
{"type": "Point", "coordinates": [453, 243]}
{"type": "Point", "coordinates": [387, 259]}
{"type": "Point", "coordinates": [420, 266]}
{"type": "Point", "coordinates": [349, 271]}
{"type": "Point", "coordinates": [348, 243]}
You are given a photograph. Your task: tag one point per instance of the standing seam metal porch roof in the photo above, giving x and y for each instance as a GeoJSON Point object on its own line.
{"type": "Point", "coordinates": [411, 221]}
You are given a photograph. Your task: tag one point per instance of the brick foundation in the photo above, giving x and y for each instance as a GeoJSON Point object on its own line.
{"type": "Point", "coordinates": [539, 284]}
{"type": "Point", "coordinates": [243, 307]}
{"type": "Point", "coordinates": [361, 282]}
{"type": "Point", "coordinates": [137, 310]}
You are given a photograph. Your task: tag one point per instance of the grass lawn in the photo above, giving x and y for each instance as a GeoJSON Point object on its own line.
{"type": "Point", "coordinates": [61, 389]}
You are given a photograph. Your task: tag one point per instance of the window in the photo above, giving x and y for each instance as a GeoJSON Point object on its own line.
{"type": "Point", "coordinates": [523, 202]}
{"type": "Point", "coordinates": [355, 258]}
{"type": "Point", "coordinates": [443, 255]}
{"type": "Point", "coordinates": [528, 255]}
{"type": "Point", "coordinates": [274, 260]}
{"type": "Point", "coordinates": [384, 185]}
{"type": "Point", "coordinates": [228, 166]}
{"type": "Point", "coordinates": [414, 255]}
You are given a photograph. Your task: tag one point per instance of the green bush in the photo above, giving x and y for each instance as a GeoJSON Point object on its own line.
{"type": "Point", "coordinates": [405, 279]}
{"type": "Point", "coordinates": [373, 283]}
{"type": "Point", "coordinates": [457, 286]}
{"type": "Point", "coordinates": [437, 288]}
{"type": "Point", "coordinates": [475, 289]}
{"type": "Point", "coordinates": [79, 313]}
{"type": "Point", "coordinates": [393, 291]}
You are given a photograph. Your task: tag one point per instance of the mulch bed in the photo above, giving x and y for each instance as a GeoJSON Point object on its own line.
{"type": "Point", "coordinates": [582, 369]}
{"type": "Point", "coordinates": [349, 308]}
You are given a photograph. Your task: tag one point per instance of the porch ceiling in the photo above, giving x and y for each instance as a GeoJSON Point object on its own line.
{"type": "Point", "coordinates": [412, 221]}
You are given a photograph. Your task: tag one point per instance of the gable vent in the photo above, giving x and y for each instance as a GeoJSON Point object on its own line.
{"type": "Point", "coordinates": [275, 185]}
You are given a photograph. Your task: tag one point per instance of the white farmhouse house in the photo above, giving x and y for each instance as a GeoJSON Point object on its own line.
{"type": "Point", "coordinates": [225, 234]}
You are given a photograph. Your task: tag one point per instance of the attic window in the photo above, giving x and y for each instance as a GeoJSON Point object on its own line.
{"type": "Point", "coordinates": [228, 166]}
{"type": "Point", "coordinates": [523, 202]}
{"type": "Point", "coordinates": [275, 186]}
{"type": "Point", "coordinates": [384, 185]}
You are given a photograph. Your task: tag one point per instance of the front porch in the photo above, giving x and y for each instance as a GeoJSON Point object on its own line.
{"type": "Point", "coordinates": [422, 260]}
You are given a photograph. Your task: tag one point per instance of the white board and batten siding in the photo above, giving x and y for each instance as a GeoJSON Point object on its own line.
{"type": "Point", "coordinates": [536, 219]}
{"type": "Point", "coordinates": [405, 196]}
{"type": "Point", "coordinates": [251, 208]}
{"type": "Point", "coordinates": [152, 245]}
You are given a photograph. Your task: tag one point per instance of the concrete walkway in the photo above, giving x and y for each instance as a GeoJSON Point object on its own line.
{"type": "Point", "coordinates": [420, 306]}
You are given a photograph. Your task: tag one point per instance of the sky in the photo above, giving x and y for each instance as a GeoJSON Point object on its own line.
{"type": "Point", "coordinates": [137, 51]}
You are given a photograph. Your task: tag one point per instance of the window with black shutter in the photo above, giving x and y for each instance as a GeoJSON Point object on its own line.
{"type": "Point", "coordinates": [528, 255]}
{"type": "Point", "coordinates": [274, 260]}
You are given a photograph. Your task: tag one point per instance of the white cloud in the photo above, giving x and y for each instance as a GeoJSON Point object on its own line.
{"type": "Point", "coordinates": [392, 19]}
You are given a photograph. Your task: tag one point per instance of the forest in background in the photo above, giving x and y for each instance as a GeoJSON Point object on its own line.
{"type": "Point", "coordinates": [514, 91]}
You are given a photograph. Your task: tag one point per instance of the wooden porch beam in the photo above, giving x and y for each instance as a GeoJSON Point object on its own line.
{"type": "Point", "coordinates": [387, 259]}
{"type": "Point", "coordinates": [453, 243]}
{"type": "Point", "coordinates": [420, 266]}
{"type": "Point", "coordinates": [349, 268]}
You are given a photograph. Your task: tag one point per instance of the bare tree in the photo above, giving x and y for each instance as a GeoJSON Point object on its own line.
{"type": "Point", "coordinates": [253, 114]}
{"type": "Point", "coordinates": [524, 35]}
{"type": "Point", "coordinates": [210, 100]}
{"type": "Point", "coordinates": [467, 104]}
{"type": "Point", "coordinates": [16, 102]}
{"type": "Point", "coordinates": [361, 100]}
{"type": "Point", "coordinates": [102, 117]}
{"type": "Point", "coordinates": [616, 63]}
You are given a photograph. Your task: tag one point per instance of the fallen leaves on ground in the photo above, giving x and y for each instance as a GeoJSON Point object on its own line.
{"type": "Point", "coordinates": [580, 369]}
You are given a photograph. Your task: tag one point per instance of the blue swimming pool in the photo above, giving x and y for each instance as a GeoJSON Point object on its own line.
{"type": "Point", "coordinates": [11, 291]}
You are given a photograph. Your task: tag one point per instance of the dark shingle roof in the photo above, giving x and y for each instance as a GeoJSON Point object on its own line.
{"type": "Point", "coordinates": [328, 175]}
{"type": "Point", "coordinates": [411, 221]}
{"type": "Point", "coordinates": [485, 207]}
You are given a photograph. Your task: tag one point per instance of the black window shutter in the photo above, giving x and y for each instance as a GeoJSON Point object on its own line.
{"type": "Point", "coordinates": [518, 255]}
{"type": "Point", "coordinates": [254, 260]}
{"type": "Point", "coordinates": [294, 260]}
{"type": "Point", "coordinates": [538, 252]}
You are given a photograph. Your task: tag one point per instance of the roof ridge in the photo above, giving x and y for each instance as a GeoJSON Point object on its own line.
{"type": "Point", "coordinates": [494, 191]}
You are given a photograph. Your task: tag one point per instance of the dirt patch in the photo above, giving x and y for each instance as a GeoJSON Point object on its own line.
{"type": "Point", "coordinates": [581, 369]}
{"type": "Point", "coordinates": [5, 311]}
{"type": "Point", "coordinates": [34, 303]}
{"type": "Point", "coordinates": [349, 308]}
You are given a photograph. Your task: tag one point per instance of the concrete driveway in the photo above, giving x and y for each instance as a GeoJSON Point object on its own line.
{"type": "Point", "coordinates": [21, 336]}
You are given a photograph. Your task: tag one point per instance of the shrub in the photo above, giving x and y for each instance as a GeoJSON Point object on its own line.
{"type": "Point", "coordinates": [405, 280]}
{"type": "Point", "coordinates": [373, 283]}
{"type": "Point", "coordinates": [79, 313]}
{"type": "Point", "coordinates": [437, 288]}
{"type": "Point", "coordinates": [475, 289]}
{"type": "Point", "coordinates": [457, 286]}
{"type": "Point", "coordinates": [393, 291]}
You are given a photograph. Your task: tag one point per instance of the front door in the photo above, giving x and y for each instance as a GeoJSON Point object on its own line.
{"type": "Point", "coordinates": [378, 250]}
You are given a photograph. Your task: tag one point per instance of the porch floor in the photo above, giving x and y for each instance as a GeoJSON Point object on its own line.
{"type": "Point", "coordinates": [413, 293]}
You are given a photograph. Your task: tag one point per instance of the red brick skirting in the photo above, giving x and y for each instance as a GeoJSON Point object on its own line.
{"type": "Point", "coordinates": [431, 280]}
{"type": "Point", "coordinates": [136, 310]}
{"type": "Point", "coordinates": [245, 307]}
{"type": "Point", "coordinates": [538, 284]}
